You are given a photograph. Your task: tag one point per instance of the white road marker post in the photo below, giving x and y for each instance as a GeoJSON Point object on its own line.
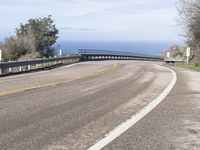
{"type": "Point", "coordinates": [1, 71]}
{"type": "Point", "coordinates": [168, 54]}
{"type": "Point", "coordinates": [1, 56]}
{"type": "Point", "coordinates": [188, 54]}
{"type": "Point", "coordinates": [60, 53]}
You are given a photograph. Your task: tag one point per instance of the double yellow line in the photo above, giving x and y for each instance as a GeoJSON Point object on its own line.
{"type": "Point", "coordinates": [93, 74]}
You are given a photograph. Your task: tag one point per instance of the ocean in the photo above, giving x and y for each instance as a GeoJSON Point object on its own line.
{"type": "Point", "coordinates": [150, 48]}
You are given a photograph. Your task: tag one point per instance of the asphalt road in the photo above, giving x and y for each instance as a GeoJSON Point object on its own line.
{"type": "Point", "coordinates": [173, 125]}
{"type": "Point", "coordinates": [73, 107]}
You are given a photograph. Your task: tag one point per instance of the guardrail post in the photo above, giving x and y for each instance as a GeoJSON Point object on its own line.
{"type": "Point", "coordinates": [20, 68]}
{"type": "Point", "coordinates": [36, 66]}
{"type": "Point", "coordinates": [1, 70]}
{"type": "Point", "coordinates": [9, 69]}
{"type": "Point", "coordinates": [44, 64]}
{"type": "Point", "coordinates": [29, 67]}
{"type": "Point", "coordinates": [0, 55]}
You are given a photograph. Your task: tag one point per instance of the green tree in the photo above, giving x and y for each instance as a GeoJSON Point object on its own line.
{"type": "Point", "coordinates": [32, 40]}
{"type": "Point", "coordinates": [43, 34]}
{"type": "Point", "coordinates": [12, 49]}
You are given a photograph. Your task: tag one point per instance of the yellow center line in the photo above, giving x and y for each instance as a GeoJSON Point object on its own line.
{"type": "Point", "coordinates": [97, 73]}
{"type": "Point", "coordinates": [16, 91]}
{"type": "Point", "coordinates": [92, 74]}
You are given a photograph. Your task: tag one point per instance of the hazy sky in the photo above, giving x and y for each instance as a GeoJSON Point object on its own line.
{"type": "Point", "coordinates": [133, 20]}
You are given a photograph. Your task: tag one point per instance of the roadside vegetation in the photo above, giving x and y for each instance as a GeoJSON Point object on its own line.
{"type": "Point", "coordinates": [189, 19]}
{"type": "Point", "coordinates": [195, 67]}
{"type": "Point", "coordinates": [34, 39]}
{"type": "Point", "coordinates": [189, 12]}
{"type": "Point", "coordinates": [176, 51]}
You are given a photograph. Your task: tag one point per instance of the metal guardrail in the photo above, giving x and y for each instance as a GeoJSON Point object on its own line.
{"type": "Point", "coordinates": [21, 66]}
{"type": "Point", "coordinates": [89, 54]}
{"type": "Point", "coordinates": [89, 51]}
{"type": "Point", "coordinates": [84, 54]}
{"type": "Point", "coordinates": [174, 60]}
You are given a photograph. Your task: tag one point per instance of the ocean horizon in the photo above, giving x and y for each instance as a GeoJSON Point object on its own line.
{"type": "Point", "coordinates": [142, 47]}
{"type": "Point", "coordinates": [150, 48]}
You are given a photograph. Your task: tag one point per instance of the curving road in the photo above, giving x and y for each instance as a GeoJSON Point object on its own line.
{"type": "Point", "coordinates": [73, 107]}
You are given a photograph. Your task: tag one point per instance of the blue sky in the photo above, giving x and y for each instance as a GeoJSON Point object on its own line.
{"type": "Point", "coordinates": [128, 20]}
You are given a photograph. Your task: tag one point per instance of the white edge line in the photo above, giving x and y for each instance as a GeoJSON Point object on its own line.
{"type": "Point", "coordinates": [137, 117]}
